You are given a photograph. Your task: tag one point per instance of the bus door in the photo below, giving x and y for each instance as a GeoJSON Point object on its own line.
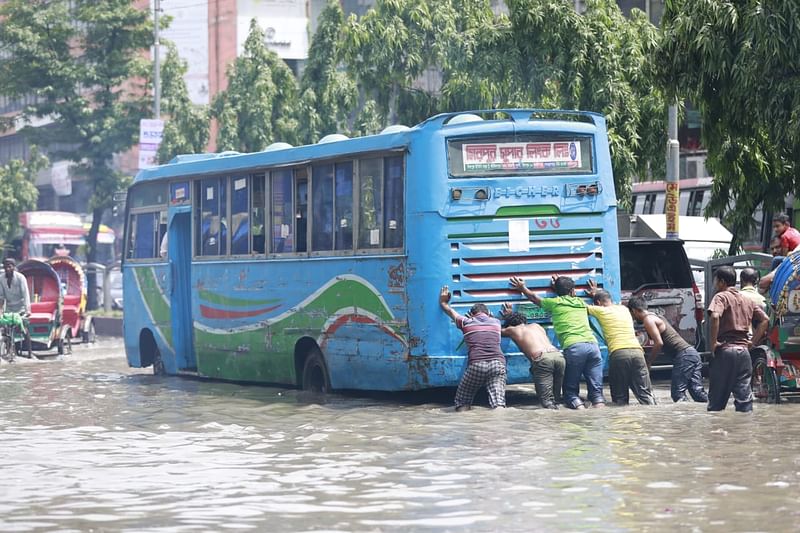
{"type": "Point", "coordinates": [179, 244]}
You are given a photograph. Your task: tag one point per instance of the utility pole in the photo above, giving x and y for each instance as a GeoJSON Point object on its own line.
{"type": "Point", "coordinates": [672, 205]}
{"type": "Point", "coordinates": [156, 64]}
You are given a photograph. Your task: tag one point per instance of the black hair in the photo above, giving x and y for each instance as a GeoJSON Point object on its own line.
{"type": "Point", "coordinates": [783, 218]}
{"type": "Point", "coordinates": [602, 296]}
{"type": "Point", "coordinates": [748, 276]}
{"type": "Point", "coordinates": [9, 261]}
{"type": "Point", "coordinates": [515, 319]}
{"type": "Point", "coordinates": [726, 274]}
{"type": "Point", "coordinates": [479, 308]}
{"type": "Point", "coordinates": [564, 285]}
{"type": "Point", "coordinates": [637, 303]}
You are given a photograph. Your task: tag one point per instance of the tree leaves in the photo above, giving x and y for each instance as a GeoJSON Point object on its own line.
{"type": "Point", "coordinates": [739, 63]}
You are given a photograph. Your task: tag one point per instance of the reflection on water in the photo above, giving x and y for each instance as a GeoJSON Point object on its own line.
{"type": "Point", "coordinates": [91, 444]}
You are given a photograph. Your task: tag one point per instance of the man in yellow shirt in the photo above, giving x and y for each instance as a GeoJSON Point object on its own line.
{"type": "Point", "coordinates": [627, 367]}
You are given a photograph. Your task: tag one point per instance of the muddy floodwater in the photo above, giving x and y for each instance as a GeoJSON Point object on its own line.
{"type": "Point", "coordinates": [91, 445]}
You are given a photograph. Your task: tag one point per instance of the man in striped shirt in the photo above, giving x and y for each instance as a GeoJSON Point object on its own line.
{"type": "Point", "coordinates": [486, 364]}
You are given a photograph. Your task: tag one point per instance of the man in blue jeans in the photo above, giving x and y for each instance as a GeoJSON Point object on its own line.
{"type": "Point", "coordinates": [581, 351]}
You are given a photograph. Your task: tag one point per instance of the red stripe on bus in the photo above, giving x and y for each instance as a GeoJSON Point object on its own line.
{"type": "Point", "coordinates": [210, 312]}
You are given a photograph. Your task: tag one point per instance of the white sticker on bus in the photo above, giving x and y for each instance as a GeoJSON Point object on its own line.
{"type": "Point", "coordinates": [519, 235]}
{"type": "Point", "coordinates": [239, 184]}
{"type": "Point", "coordinates": [374, 237]}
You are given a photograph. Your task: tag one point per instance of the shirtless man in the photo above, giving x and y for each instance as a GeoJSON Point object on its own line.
{"type": "Point", "coordinates": [547, 362]}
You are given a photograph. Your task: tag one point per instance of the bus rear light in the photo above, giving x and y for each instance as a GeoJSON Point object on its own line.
{"type": "Point", "coordinates": [481, 194]}
{"type": "Point", "coordinates": [455, 194]}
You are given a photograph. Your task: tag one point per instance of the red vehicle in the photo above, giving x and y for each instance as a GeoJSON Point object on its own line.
{"type": "Point", "coordinates": [73, 288]}
{"type": "Point", "coordinates": [44, 234]}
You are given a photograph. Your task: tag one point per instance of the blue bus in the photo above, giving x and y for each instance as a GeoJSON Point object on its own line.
{"type": "Point", "coordinates": [320, 266]}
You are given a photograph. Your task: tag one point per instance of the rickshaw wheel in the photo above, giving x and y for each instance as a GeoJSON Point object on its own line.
{"type": "Point", "coordinates": [764, 382]}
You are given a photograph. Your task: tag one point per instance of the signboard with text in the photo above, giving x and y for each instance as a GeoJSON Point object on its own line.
{"type": "Point", "coordinates": [150, 133]}
{"type": "Point", "coordinates": [521, 155]}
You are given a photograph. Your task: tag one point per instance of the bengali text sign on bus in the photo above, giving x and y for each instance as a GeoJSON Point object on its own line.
{"type": "Point", "coordinates": [521, 155]}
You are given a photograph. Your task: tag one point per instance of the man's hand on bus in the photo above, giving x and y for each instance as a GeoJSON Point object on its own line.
{"type": "Point", "coordinates": [444, 295]}
{"type": "Point", "coordinates": [592, 288]}
{"type": "Point", "coordinates": [506, 309]}
{"type": "Point", "coordinates": [518, 283]}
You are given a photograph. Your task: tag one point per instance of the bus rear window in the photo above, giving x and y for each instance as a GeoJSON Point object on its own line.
{"type": "Point", "coordinates": [515, 155]}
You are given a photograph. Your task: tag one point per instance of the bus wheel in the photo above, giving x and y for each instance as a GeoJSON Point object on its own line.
{"type": "Point", "coordinates": [315, 374]}
{"type": "Point", "coordinates": [158, 364]}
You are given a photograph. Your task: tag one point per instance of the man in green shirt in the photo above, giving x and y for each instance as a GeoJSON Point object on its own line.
{"type": "Point", "coordinates": [581, 351]}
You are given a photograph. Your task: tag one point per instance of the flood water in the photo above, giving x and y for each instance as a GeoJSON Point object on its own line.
{"type": "Point", "coordinates": [91, 445]}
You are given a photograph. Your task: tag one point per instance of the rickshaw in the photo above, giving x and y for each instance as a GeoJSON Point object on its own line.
{"type": "Point", "coordinates": [73, 288]}
{"type": "Point", "coordinates": [44, 323]}
{"type": "Point", "coordinates": [776, 366]}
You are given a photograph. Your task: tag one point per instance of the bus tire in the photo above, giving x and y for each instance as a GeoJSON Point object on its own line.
{"type": "Point", "coordinates": [315, 374]}
{"type": "Point", "coordinates": [158, 364]}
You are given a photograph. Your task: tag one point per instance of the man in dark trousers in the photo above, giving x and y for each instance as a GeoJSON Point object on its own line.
{"type": "Point", "coordinates": [731, 316]}
{"type": "Point", "coordinates": [486, 364]}
{"type": "Point", "coordinates": [686, 363]}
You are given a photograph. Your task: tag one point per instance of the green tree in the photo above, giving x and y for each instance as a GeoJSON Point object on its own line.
{"type": "Point", "coordinates": [260, 104]}
{"type": "Point", "coordinates": [543, 55]}
{"type": "Point", "coordinates": [18, 192]}
{"type": "Point", "coordinates": [738, 62]}
{"type": "Point", "coordinates": [81, 60]}
{"type": "Point", "coordinates": [329, 94]}
{"type": "Point", "coordinates": [390, 47]}
{"type": "Point", "coordinates": [186, 129]}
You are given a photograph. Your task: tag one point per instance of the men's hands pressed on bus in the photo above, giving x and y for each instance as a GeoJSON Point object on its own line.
{"type": "Point", "coordinates": [444, 302]}
{"type": "Point", "coordinates": [519, 284]}
{"type": "Point", "coordinates": [592, 290]}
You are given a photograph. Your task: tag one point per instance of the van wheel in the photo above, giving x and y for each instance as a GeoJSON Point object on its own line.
{"type": "Point", "coordinates": [158, 364]}
{"type": "Point", "coordinates": [315, 374]}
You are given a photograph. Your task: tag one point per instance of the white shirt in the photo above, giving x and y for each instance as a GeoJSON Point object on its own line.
{"type": "Point", "coordinates": [16, 298]}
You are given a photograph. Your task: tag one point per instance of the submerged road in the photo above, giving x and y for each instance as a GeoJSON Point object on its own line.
{"type": "Point", "coordinates": [91, 445]}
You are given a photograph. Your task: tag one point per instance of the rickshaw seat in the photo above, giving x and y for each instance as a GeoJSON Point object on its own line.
{"type": "Point", "coordinates": [42, 312]}
{"type": "Point", "coordinates": [73, 300]}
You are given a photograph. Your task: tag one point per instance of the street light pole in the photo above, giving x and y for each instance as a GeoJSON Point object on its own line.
{"type": "Point", "coordinates": [156, 63]}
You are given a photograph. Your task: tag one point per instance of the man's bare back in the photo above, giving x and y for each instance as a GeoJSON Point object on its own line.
{"type": "Point", "coordinates": [531, 338]}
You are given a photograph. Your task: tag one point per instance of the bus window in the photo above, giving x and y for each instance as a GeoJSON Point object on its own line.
{"type": "Point", "coordinates": [148, 194]}
{"type": "Point", "coordinates": [343, 204]}
{"type": "Point", "coordinates": [257, 212]}
{"type": "Point", "coordinates": [370, 215]}
{"type": "Point", "coordinates": [322, 206]}
{"type": "Point", "coordinates": [240, 211]}
{"type": "Point", "coordinates": [393, 204]}
{"type": "Point", "coordinates": [282, 212]}
{"type": "Point", "coordinates": [143, 243]}
{"type": "Point", "coordinates": [213, 230]}
{"type": "Point", "coordinates": [301, 215]}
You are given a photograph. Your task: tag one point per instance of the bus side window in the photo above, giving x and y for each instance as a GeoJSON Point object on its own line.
{"type": "Point", "coordinates": [144, 236]}
{"type": "Point", "coordinates": [370, 213]}
{"type": "Point", "coordinates": [213, 230]}
{"type": "Point", "coordinates": [301, 213]}
{"type": "Point", "coordinates": [282, 212]}
{"type": "Point", "coordinates": [393, 189]}
{"type": "Point", "coordinates": [257, 211]}
{"type": "Point", "coordinates": [322, 208]}
{"type": "Point", "coordinates": [343, 203]}
{"type": "Point", "coordinates": [240, 216]}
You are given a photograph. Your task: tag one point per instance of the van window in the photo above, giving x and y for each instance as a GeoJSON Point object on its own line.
{"type": "Point", "coordinates": [656, 265]}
